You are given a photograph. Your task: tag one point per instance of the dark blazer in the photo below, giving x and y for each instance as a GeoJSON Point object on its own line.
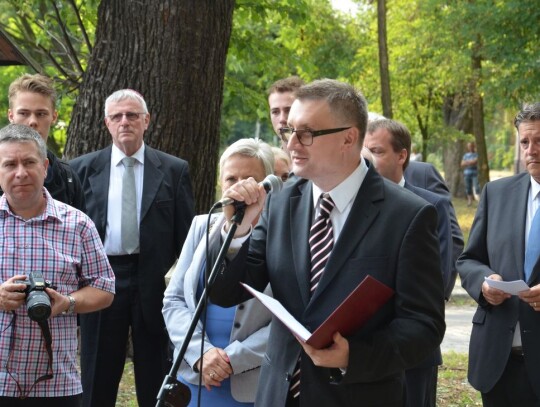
{"type": "Point", "coordinates": [497, 245]}
{"type": "Point", "coordinates": [167, 199]}
{"type": "Point", "coordinates": [386, 229]}
{"type": "Point", "coordinates": [425, 175]}
{"type": "Point", "coordinates": [444, 233]}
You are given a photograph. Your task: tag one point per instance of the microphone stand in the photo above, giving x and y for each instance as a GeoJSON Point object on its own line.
{"type": "Point", "coordinates": [172, 392]}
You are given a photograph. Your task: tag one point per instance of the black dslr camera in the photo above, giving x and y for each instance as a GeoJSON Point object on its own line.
{"type": "Point", "coordinates": [38, 304]}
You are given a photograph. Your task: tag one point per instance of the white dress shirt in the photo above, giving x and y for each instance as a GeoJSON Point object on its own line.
{"type": "Point", "coordinates": [113, 242]}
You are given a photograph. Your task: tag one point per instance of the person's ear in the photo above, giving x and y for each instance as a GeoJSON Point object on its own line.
{"type": "Point", "coordinates": [350, 138]}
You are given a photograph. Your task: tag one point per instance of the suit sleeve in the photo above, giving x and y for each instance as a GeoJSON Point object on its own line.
{"type": "Point", "coordinates": [184, 207]}
{"type": "Point", "coordinates": [446, 245]}
{"type": "Point", "coordinates": [176, 312]}
{"type": "Point", "coordinates": [417, 326]}
{"type": "Point", "coordinates": [473, 264]}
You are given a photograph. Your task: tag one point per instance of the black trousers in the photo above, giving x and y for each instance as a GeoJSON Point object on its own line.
{"type": "Point", "coordinates": [514, 388]}
{"type": "Point", "coordinates": [421, 386]}
{"type": "Point", "coordinates": [104, 337]}
{"type": "Point", "coordinates": [68, 401]}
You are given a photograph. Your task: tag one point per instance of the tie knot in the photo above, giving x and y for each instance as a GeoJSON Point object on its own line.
{"type": "Point", "coordinates": [128, 161]}
{"type": "Point", "coordinates": [326, 205]}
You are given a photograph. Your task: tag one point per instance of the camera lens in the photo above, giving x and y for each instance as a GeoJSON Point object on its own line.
{"type": "Point", "coordinates": [38, 305]}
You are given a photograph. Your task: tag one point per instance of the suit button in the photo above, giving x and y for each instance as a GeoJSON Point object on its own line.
{"type": "Point", "coordinates": [241, 306]}
{"type": "Point", "coordinates": [237, 325]}
{"type": "Point", "coordinates": [287, 377]}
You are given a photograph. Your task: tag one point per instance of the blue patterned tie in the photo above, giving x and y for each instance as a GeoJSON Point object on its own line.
{"type": "Point", "coordinates": [532, 251]}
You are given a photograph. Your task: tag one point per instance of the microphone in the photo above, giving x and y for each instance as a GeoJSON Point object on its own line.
{"type": "Point", "coordinates": [271, 183]}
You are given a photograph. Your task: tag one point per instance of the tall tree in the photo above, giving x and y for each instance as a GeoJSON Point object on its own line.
{"type": "Point", "coordinates": [386, 95]}
{"type": "Point", "coordinates": [477, 108]}
{"type": "Point", "coordinates": [173, 53]}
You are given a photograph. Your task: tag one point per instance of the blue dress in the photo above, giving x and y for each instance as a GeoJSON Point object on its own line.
{"type": "Point", "coordinates": [219, 322]}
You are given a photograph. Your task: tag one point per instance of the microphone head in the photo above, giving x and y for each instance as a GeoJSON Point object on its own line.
{"type": "Point", "coordinates": [272, 183]}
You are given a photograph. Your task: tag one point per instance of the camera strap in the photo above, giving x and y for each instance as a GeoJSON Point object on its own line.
{"type": "Point", "coordinates": [46, 333]}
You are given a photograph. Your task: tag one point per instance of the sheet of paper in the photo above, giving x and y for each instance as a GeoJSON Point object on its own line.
{"type": "Point", "coordinates": [510, 287]}
{"type": "Point", "coordinates": [275, 307]}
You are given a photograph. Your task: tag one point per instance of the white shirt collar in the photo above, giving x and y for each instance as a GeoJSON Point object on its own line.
{"type": "Point", "coordinates": [117, 155]}
{"type": "Point", "coordinates": [346, 191]}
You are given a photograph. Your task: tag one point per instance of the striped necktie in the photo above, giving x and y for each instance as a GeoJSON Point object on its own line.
{"type": "Point", "coordinates": [321, 242]}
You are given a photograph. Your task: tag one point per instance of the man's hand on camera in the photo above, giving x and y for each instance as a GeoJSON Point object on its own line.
{"type": "Point", "coordinates": [59, 302]}
{"type": "Point", "coordinates": [12, 295]}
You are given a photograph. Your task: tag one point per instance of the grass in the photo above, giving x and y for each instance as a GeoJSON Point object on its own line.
{"type": "Point", "coordinates": [453, 389]}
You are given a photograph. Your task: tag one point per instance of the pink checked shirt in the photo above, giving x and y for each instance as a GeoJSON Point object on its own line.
{"type": "Point", "coordinates": [64, 245]}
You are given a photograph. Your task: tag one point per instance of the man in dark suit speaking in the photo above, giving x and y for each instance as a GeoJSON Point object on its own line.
{"type": "Point", "coordinates": [142, 204]}
{"type": "Point", "coordinates": [316, 240]}
{"type": "Point", "coordinates": [504, 244]}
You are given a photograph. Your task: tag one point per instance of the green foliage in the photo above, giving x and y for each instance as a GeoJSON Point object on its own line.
{"type": "Point", "coordinates": [58, 35]}
{"type": "Point", "coordinates": [275, 39]}
{"type": "Point", "coordinates": [430, 44]}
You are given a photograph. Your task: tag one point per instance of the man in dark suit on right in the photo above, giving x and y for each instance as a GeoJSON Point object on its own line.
{"type": "Point", "coordinates": [389, 142]}
{"type": "Point", "coordinates": [372, 227]}
{"type": "Point", "coordinates": [425, 175]}
{"type": "Point", "coordinates": [504, 244]}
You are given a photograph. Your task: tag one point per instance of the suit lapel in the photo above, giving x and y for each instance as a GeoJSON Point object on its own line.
{"type": "Point", "coordinates": [300, 221]}
{"type": "Point", "coordinates": [363, 213]}
{"type": "Point", "coordinates": [99, 183]}
{"type": "Point", "coordinates": [152, 179]}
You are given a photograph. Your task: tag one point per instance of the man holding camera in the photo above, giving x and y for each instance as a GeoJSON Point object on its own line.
{"type": "Point", "coordinates": [52, 266]}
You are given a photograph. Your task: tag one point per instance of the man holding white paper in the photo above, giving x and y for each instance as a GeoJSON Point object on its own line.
{"type": "Point", "coordinates": [316, 241]}
{"type": "Point", "coordinates": [504, 245]}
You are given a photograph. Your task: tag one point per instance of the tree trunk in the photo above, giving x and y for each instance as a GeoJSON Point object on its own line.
{"type": "Point", "coordinates": [478, 115]}
{"type": "Point", "coordinates": [173, 53]}
{"type": "Point", "coordinates": [386, 95]}
{"type": "Point", "coordinates": [456, 114]}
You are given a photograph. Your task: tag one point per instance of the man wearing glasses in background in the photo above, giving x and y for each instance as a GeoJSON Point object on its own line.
{"type": "Point", "coordinates": [141, 201]}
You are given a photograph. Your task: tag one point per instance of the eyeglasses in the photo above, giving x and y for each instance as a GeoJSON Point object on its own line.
{"type": "Point", "coordinates": [130, 116]}
{"type": "Point", "coordinates": [305, 137]}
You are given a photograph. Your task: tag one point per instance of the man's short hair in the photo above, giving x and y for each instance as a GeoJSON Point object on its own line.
{"type": "Point", "coordinates": [290, 84]}
{"type": "Point", "coordinates": [344, 101]}
{"type": "Point", "coordinates": [530, 112]}
{"type": "Point", "coordinates": [401, 137]}
{"type": "Point", "coordinates": [19, 133]}
{"type": "Point", "coordinates": [32, 83]}
{"type": "Point", "coordinates": [250, 147]}
{"type": "Point", "coordinates": [124, 94]}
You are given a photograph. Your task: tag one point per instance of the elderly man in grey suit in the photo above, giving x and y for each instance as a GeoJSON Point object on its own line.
{"type": "Point", "coordinates": [504, 245]}
{"type": "Point", "coordinates": [359, 224]}
{"type": "Point", "coordinates": [142, 204]}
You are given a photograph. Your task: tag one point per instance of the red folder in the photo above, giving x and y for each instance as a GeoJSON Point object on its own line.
{"type": "Point", "coordinates": [353, 312]}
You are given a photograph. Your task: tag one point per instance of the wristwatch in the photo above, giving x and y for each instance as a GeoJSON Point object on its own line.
{"type": "Point", "coordinates": [71, 307]}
